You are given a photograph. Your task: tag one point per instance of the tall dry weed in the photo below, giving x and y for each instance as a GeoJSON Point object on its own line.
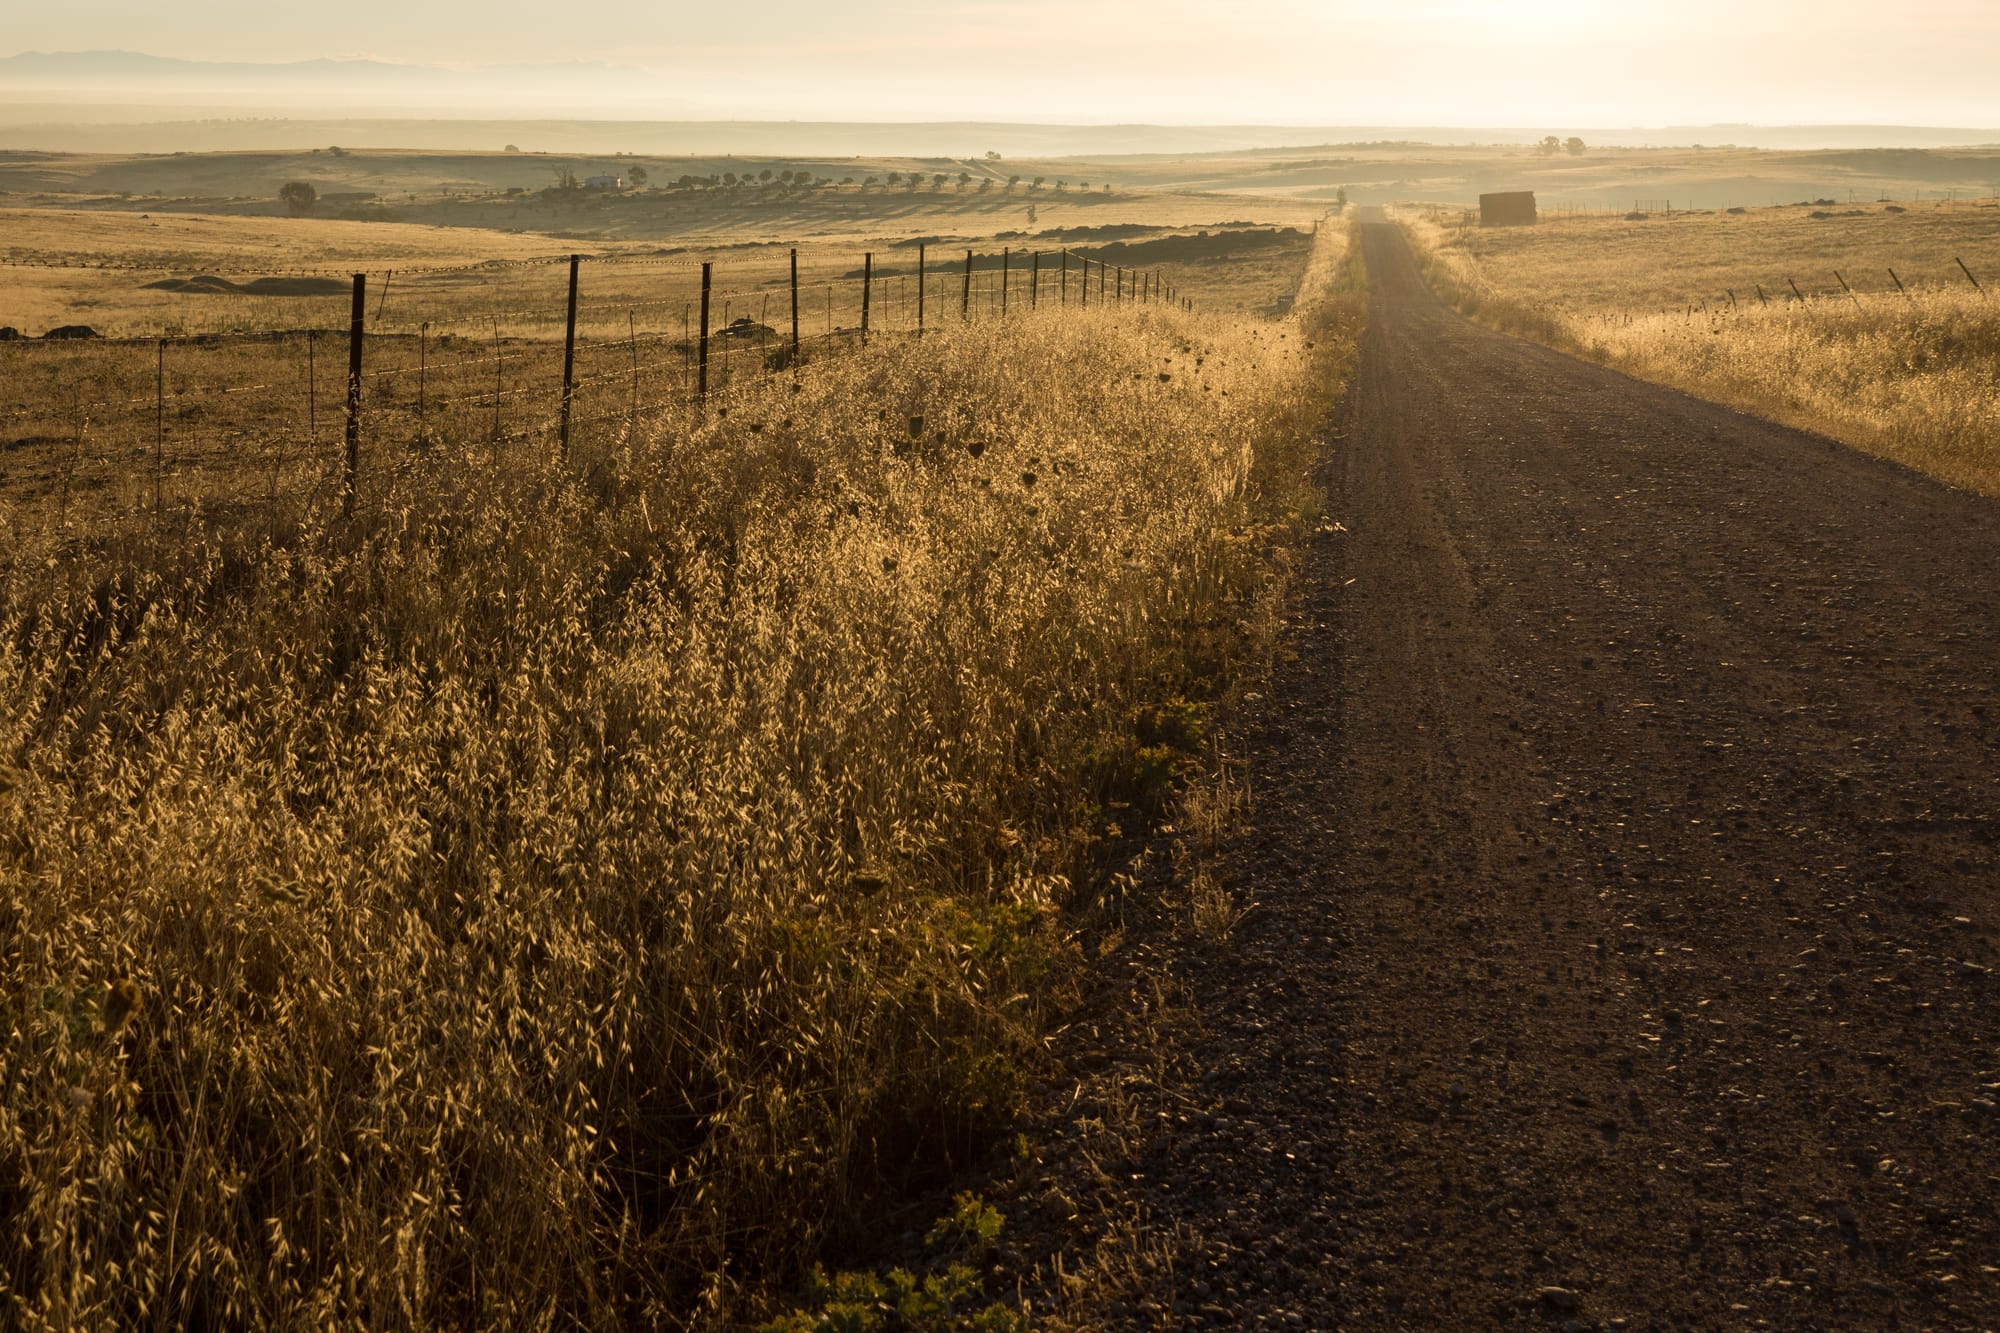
{"type": "Point", "coordinates": [568, 894]}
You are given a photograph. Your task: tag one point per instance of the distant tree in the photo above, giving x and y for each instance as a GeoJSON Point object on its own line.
{"type": "Point", "coordinates": [986, 185]}
{"type": "Point", "coordinates": [1107, 187]}
{"type": "Point", "coordinates": [729, 179]}
{"type": "Point", "coordinates": [1573, 146]}
{"type": "Point", "coordinates": [1033, 216]}
{"type": "Point", "coordinates": [300, 197]}
{"type": "Point", "coordinates": [872, 180]}
{"type": "Point", "coordinates": [638, 177]}
{"type": "Point", "coordinates": [1086, 185]}
{"type": "Point", "coordinates": [765, 175]}
{"type": "Point", "coordinates": [914, 180]}
{"type": "Point", "coordinates": [1340, 197]}
{"type": "Point", "coordinates": [964, 179]}
{"type": "Point", "coordinates": [1038, 182]}
{"type": "Point", "coordinates": [567, 182]}
{"type": "Point", "coordinates": [847, 180]}
{"type": "Point", "coordinates": [1061, 185]}
{"type": "Point", "coordinates": [337, 151]}
{"type": "Point", "coordinates": [513, 148]}
{"type": "Point", "coordinates": [1012, 181]}
{"type": "Point", "coordinates": [992, 157]}
{"type": "Point", "coordinates": [937, 181]}
{"type": "Point", "coordinates": [895, 179]}
{"type": "Point", "coordinates": [1549, 147]}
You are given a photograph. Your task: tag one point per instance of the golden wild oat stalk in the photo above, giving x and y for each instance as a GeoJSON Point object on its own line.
{"type": "Point", "coordinates": [1911, 375]}
{"type": "Point", "coordinates": [565, 895]}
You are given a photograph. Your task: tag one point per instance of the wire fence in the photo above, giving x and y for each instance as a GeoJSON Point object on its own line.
{"type": "Point", "coordinates": [1643, 209]}
{"type": "Point", "coordinates": [548, 350]}
{"type": "Point", "coordinates": [1902, 291]}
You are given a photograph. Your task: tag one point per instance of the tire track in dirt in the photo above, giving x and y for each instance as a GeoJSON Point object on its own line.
{"type": "Point", "coordinates": [1626, 850]}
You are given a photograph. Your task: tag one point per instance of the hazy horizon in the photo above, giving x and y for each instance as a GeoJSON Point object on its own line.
{"type": "Point", "coordinates": [1500, 63]}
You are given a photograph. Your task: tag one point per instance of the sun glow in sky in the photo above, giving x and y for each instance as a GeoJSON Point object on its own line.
{"type": "Point", "coordinates": [1560, 63]}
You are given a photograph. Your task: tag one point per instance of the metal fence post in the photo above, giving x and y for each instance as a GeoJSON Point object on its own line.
{"type": "Point", "coordinates": [867, 292]}
{"type": "Point", "coordinates": [159, 421]}
{"type": "Point", "coordinates": [569, 356]}
{"type": "Point", "coordinates": [701, 377]}
{"type": "Point", "coordinates": [965, 300]}
{"type": "Point", "coordinates": [354, 336]}
{"type": "Point", "coordinates": [795, 303]}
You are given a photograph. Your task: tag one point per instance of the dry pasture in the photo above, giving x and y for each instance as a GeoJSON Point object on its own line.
{"type": "Point", "coordinates": [1911, 373]}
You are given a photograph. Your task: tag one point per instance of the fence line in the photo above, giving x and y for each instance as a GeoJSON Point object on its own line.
{"type": "Point", "coordinates": [409, 378]}
{"type": "Point", "coordinates": [1847, 291]}
{"type": "Point", "coordinates": [1792, 295]}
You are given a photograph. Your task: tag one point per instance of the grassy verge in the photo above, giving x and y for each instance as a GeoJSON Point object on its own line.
{"type": "Point", "coordinates": [571, 894]}
{"type": "Point", "coordinates": [1125, 1068]}
{"type": "Point", "coordinates": [1914, 377]}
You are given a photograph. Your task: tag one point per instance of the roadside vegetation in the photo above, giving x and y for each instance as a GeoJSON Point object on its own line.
{"type": "Point", "coordinates": [1910, 373]}
{"type": "Point", "coordinates": [572, 894]}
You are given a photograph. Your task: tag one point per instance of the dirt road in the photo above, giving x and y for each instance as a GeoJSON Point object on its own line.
{"type": "Point", "coordinates": [1627, 853]}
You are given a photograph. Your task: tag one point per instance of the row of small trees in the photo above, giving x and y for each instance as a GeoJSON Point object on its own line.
{"type": "Point", "coordinates": [1550, 146]}
{"type": "Point", "coordinates": [301, 198]}
{"type": "Point", "coordinates": [805, 180]}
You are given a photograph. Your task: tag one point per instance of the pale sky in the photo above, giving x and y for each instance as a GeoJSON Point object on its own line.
{"type": "Point", "coordinates": [1430, 62]}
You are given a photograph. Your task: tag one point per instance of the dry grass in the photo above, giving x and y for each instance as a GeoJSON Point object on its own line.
{"type": "Point", "coordinates": [1911, 376]}
{"type": "Point", "coordinates": [1132, 1083]}
{"type": "Point", "coordinates": [567, 895]}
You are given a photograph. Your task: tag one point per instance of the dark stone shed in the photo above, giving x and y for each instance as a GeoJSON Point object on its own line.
{"type": "Point", "coordinates": [1516, 209]}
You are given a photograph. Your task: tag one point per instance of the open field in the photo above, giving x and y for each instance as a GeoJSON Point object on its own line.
{"type": "Point", "coordinates": [577, 890]}
{"type": "Point", "coordinates": [1831, 343]}
{"type": "Point", "coordinates": [63, 266]}
{"type": "Point", "coordinates": [716, 197]}
{"type": "Point", "coordinates": [690, 200]}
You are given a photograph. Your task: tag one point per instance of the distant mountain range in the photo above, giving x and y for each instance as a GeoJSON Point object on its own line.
{"type": "Point", "coordinates": [111, 78]}
{"type": "Point", "coordinates": [75, 69]}
{"type": "Point", "coordinates": [131, 102]}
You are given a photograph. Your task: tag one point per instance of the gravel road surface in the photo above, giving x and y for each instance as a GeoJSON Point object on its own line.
{"type": "Point", "coordinates": [1627, 859]}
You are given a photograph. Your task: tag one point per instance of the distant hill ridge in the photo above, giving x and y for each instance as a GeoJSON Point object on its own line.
{"type": "Point", "coordinates": [71, 65]}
